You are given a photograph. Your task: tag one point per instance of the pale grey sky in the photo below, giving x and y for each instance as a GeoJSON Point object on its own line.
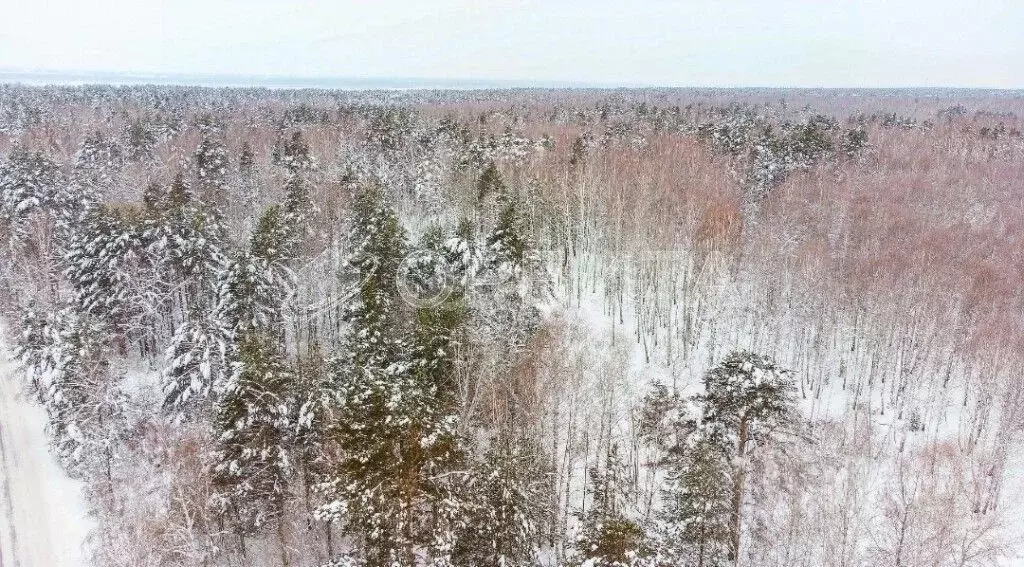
{"type": "Point", "coordinates": [977, 43]}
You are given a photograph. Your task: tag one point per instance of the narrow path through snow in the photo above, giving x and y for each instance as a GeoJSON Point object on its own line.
{"type": "Point", "coordinates": [43, 519]}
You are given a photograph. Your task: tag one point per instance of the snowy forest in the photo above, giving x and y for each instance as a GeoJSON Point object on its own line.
{"type": "Point", "coordinates": [523, 327]}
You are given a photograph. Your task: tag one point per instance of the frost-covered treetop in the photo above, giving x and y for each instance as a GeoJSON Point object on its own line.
{"type": "Point", "coordinates": [748, 387]}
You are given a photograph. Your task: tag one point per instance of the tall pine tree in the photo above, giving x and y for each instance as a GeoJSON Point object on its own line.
{"type": "Point", "coordinates": [253, 427]}
{"type": "Point", "coordinates": [749, 399]}
{"type": "Point", "coordinates": [400, 462]}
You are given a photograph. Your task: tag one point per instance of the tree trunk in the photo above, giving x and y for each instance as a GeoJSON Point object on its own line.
{"type": "Point", "coordinates": [737, 490]}
{"type": "Point", "coordinates": [330, 542]}
{"type": "Point", "coordinates": [700, 554]}
{"type": "Point", "coordinates": [280, 538]}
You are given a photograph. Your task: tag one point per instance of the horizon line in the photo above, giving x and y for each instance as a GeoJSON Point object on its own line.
{"type": "Point", "coordinates": [43, 77]}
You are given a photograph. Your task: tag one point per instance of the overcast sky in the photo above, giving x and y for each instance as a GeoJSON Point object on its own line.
{"type": "Point", "coordinates": [975, 43]}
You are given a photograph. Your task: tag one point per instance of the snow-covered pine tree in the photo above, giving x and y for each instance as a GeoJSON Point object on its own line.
{"type": "Point", "coordinates": [246, 160]}
{"type": "Point", "coordinates": [297, 202]}
{"type": "Point", "coordinates": [186, 241]}
{"type": "Point", "coordinates": [425, 276]}
{"type": "Point", "coordinates": [248, 297]}
{"type": "Point", "coordinates": [211, 164]}
{"type": "Point", "coordinates": [697, 495]}
{"type": "Point", "coordinates": [295, 155]}
{"type": "Point", "coordinates": [608, 536]}
{"type": "Point", "coordinates": [578, 153]}
{"type": "Point", "coordinates": [378, 246]}
{"type": "Point", "coordinates": [247, 175]}
{"type": "Point", "coordinates": [437, 340]}
{"type": "Point", "coordinates": [104, 262]}
{"type": "Point", "coordinates": [502, 524]}
{"type": "Point", "coordinates": [750, 395]}
{"type": "Point", "coordinates": [197, 362]}
{"type": "Point", "coordinates": [810, 141]}
{"type": "Point", "coordinates": [399, 481]}
{"type": "Point", "coordinates": [853, 142]}
{"type": "Point", "coordinates": [64, 356]}
{"type": "Point", "coordinates": [298, 210]}
{"type": "Point", "coordinates": [749, 399]}
{"type": "Point", "coordinates": [140, 139]}
{"type": "Point", "coordinates": [253, 428]}
{"type": "Point", "coordinates": [298, 205]}
{"type": "Point", "coordinates": [401, 464]}
{"type": "Point", "coordinates": [33, 187]}
{"type": "Point", "coordinates": [506, 296]}
{"type": "Point", "coordinates": [274, 240]}
{"type": "Point", "coordinates": [32, 348]}
{"type": "Point", "coordinates": [389, 128]}
{"type": "Point", "coordinates": [694, 521]}
{"type": "Point", "coordinates": [508, 243]}
{"type": "Point", "coordinates": [434, 452]}
{"type": "Point", "coordinates": [490, 183]}
{"type": "Point", "coordinates": [155, 201]}
{"type": "Point", "coordinates": [313, 396]}
{"type": "Point", "coordinates": [250, 293]}
{"type": "Point", "coordinates": [254, 286]}
{"type": "Point", "coordinates": [776, 153]}
{"type": "Point", "coordinates": [361, 485]}
{"type": "Point", "coordinates": [463, 253]}
{"type": "Point", "coordinates": [99, 157]}
{"type": "Point", "coordinates": [768, 164]}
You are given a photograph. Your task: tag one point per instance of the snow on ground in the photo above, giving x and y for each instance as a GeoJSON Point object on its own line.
{"type": "Point", "coordinates": [610, 333]}
{"type": "Point", "coordinates": [43, 516]}
{"type": "Point", "coordinates": [1013, 492]}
